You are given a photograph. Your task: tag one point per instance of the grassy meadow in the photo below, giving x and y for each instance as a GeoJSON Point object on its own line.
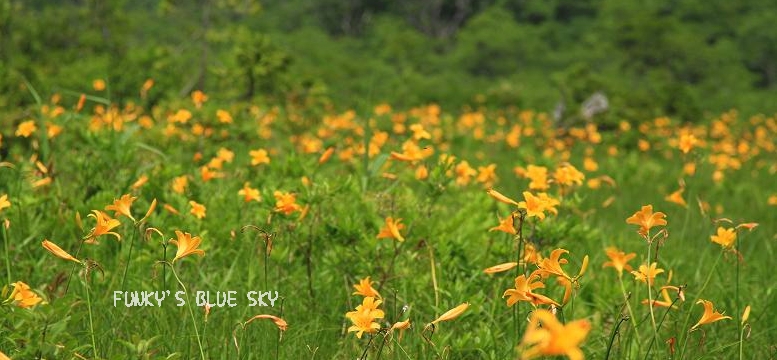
{"type": "Point", "coordinates": [387, 233]}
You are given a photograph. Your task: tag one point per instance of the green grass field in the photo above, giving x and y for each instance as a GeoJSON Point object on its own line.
{"type": "Point", "coordinates": [298, 199]}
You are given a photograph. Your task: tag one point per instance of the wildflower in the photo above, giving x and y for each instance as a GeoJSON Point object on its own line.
{"type": "Point", "coordinates": [452, 313]}
{"type": "Point", "coordinates": [142, 180]}
{"type": "Point", "coordinates": [505, 225]}
{"type": "Point", "coordinates": [223, 116]}
{"type": "Point", "coordinates": [391, 230]}
{"type": "Point", "coordinates": [500, 268]}
{"type": "Point", "coordinates": [401, 326]}
{"type": "Point", "coordinates": [677, 198]}
{"type": "Point", "coordinates": [326, 155]}
{"type": "Point", "coordinates": [421, 172]}
{"type": "Point", "coordinates": [169, 208]}
{"type": "Point", "coordinates": [364, 288]}
{"type": "Point", "coordinates": [709, 315]}
{"type": "Point", "coordinates": [198, 209]}
{"type": "Point", "coordinates": [4, 203]}
{"type": "Point", "coordinates": [501, 198]}
{"type": "Point", "coordinates": [104, 225]}
{"type": "Point", "coordinates": [207, 174]}
{"type": "Point", "coordinates": [225, 155]}
{"type": "Point", "coordinates": [464, 172]}
{"type": "Point", "coordinates": [646, 219]}
{"type": "Point", "coordinates": [531, 255]}
{"type": "Point", "coordinates": [249, 193]}
{"type": "Point", "coordinates": [147, 85]}
{"type": "Point", "coordinates": [57, 251]}
{"type": "Point", "coordinates": [364, 315]}
{"type": "Point", "coordinates": [568, 175]}
{"type": "Point", "coordinates": [98, 84]}
{"type": "Point", "coordinates": [523, 291]}
{"type": "Point", "coordinates": [26, 128]}
{"type": "Point", "coordinates": [419, 132]}
{"type": "Point", "coordinates": [280, 323]}
{"type": "Point", "coordinates": [286, 202]}
{"type": "Point", "coordinates": [724, 237]}
{"type": "Point", "coordinates": [687, 141]}
{"type": "Point", "coordinates": [187, 245]}
{"type": "Point", "coordinates": [23, 296]}
{"type": "Point", "coordinates": [198, 98]}
{"type": "Point", "coordinates": [749, 226]}
{"type": "Point", "coordinates": [538, 176]}
{"type": "Point", "coordinates": [618, 260]}
{"type": "Point", "coordinates": [647, 273]}
{"type": "Point", "coordinates": [746, 314]}
{"type": "Point", "coordinates": [548, 203]}
{"type": "Point", "coordinates": [486, 174]}
{"type": "Point", "coordinates": [552, 337]}
{"type": "Point", "coordinates": [122, 206]}
{"type": "Point", "coordinates": [180, 183]}
{"type": "Point", "coordinates": [532, 205]}
{"type": "Point", "coordinates": [552, 264]}
{"type": "Point", "coordinates": [259, 157]}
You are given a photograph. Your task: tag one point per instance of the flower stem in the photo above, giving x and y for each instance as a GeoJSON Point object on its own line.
{"type": "Point", "coordinates": [612, 337]}
{"type": "Point", "coordinates": [7, 253]}
{"type": "Point", "coordinates": [696, 299]}
{"type": "Point", "coordinates": [129, 257]}
{"type": "Point", "coordinates": [191, 312]}
{"type": "Point", "coordinates": [89, 308]}
{"type": "Point", "coordinates": [631, 312]}
{"type": "Point", "coordinates": [650, 295]}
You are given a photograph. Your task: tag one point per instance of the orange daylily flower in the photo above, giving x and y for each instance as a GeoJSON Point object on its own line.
{"type": "Point", "coordinates": [326, 155]}
{"type": "Point", "coordinates": [537, 205]}
{"type": "Point", "coordinates": [553, 337]}
{"type": "Point", "coordinates": [57, 251]}
{"type": "Point", "coordinates": [223, 116]}
{"type": "Point", "coordinates": [207, 174]}
{"type": "Point", "coordinates": [505, 225]}
{"type": "Point", "coordinates": [709, 316]}
{"type": "Point", "coordinates": [666, 300]}
{"type": "Point", "coordinates": [538, 176]}
{"type": "Point", "coordinates": [618, 260]}
{"type": "Point", "coordinates": [452, 313]}
{"type": "Point", "coordinates": [280, 323]}
{"type": "Point", "coordinates": [249, 194]}
{"type": "Point", "coordinates": [187, 245]}
{"type": "Point", "coordinates": [122, 206]}
{"type": "Point", "coordinates": [364, 315]}
{"type": "Point", "coordinates": [23, 296]}
{"type": "Point", "coordinates": [748, 226]}
{"type": "Point", "coordinates": [524, 291]}
{"type": "Point", "coordinates": [4, 203]}
{"type": "Point", "coordinates": [364, 288]}
{"type": "Point", "coordinates": [646, 219]}
{"type": "Point", "coordinates": [198, 210]}
{"type": "Point", "coordinates": [724, 237]}
{"type": "Point", "coordinates": [552, 264]}
{"type": "Point", "coordinates": [142, 180]}
{"type": "Point", "coordinates": [500, 268]}
{"type": "Point", "coordinates": [26, 128]}
{"type": "Point", "coordinates": [686, 143]}
{"type": "Point", "coordinates": [647, 273]}
{"type": "Point", "coordinates": [677, 198]}
{"type": "Point", "coordinates": [104, 225]}
{"type": "Point", "coordinates": [568, 175]}
{"type": "Point", "coordinates": [286, 202]}
{"type": "Point", "coordinates": [391, 230]}
{"type": "Point", "coordinates": [501, 198]}
{"type": "Point", "coordinates": [259, 157]}
{"type": "Point", "coordinates": [180, 183]}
